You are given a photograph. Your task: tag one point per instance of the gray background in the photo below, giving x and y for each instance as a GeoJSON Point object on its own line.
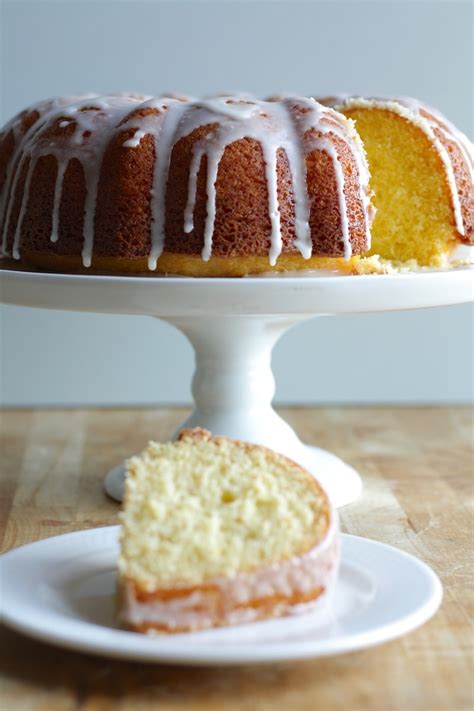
{"type": "Point", "coordinates": [421, 48]}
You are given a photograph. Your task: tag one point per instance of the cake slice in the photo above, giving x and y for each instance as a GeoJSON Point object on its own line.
{"type": "Point", "coordinates": [220, 532]}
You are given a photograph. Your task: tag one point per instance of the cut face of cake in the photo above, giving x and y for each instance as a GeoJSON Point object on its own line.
{"type": "Point", "coordinates": [422, 175]}
{"type": "Point", "coordinates": [219, 532]}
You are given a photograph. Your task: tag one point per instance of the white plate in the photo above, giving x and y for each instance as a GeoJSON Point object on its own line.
{"type": "Point", "coordinates": [61, 590]}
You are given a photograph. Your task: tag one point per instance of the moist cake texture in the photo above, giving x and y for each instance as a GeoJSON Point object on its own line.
{"type": "Point", "coordinates": [216, 532]}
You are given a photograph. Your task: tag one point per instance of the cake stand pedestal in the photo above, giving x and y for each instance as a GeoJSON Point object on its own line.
{"type": "Point", "coordinates": [233, 325]}
{"type": "Point", "coordinates": [233, 388]}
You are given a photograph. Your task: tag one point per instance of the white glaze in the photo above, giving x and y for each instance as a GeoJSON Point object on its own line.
{"type": "Point", "coordinates": [172, 117]}
{"type": "Point", "coordinates": [295, 125]}
{"type": "Point", "coordinates": [58, 188]}
{"type": "Point", "coordinates": [270, 158]}
{"type": "Point", "coordinates": [135, 141]}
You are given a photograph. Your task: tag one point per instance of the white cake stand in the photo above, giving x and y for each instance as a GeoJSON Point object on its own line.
{"type": "Point", "coordinates": [233, 325]}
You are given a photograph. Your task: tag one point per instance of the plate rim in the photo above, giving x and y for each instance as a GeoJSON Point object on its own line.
{"type": "Point", "coordinates": [267, 652]}
{"type": "Point", "coordinates": [175, 296]}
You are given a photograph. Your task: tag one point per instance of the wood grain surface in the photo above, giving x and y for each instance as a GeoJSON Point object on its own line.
{"type": "Point", "coordinates": [417, 467]}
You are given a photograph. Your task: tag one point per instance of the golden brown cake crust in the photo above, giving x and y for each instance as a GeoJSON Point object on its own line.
{"type": "Point", "coordinates": [180, 264]}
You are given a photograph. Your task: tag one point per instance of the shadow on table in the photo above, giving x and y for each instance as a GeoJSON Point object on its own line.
{"type": "Point", "coordinates": [34, 671]}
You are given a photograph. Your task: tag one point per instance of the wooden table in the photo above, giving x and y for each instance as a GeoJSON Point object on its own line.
{"type": "Point", "coordinates": [417, 470]}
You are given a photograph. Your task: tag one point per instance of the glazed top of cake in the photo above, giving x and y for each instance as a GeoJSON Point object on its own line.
{"type": "Point", "coordinates": [82, 128]}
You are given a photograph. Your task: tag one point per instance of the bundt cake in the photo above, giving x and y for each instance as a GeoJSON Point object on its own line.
{"type": "Point", "coordinates": [223, 186]}
{"type": "Point", "coordinates": [231, 185]}
{"type": "Point", "coordinates": [422, 175]}
{"type": "Point", "coordinates": [219, 532]}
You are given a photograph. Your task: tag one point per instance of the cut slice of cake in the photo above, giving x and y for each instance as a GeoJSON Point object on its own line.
{"type": "Point", "coordinates": [422, 174]}
{"type": "Point", "coordinates": [220, 532]}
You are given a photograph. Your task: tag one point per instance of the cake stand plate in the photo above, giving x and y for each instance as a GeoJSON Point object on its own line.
{"type": "Point", "coordinates": [233, 325]}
